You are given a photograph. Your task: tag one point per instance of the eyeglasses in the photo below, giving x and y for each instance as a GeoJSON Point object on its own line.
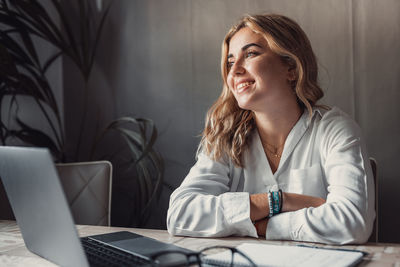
{"type": "Point", "coordinates": [211, 256]}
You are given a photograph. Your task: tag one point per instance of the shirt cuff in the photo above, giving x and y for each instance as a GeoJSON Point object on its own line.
{"type": "Point", "coordinates": [236, 207]}
{"type": "Point", "coordinates": [284, 226]}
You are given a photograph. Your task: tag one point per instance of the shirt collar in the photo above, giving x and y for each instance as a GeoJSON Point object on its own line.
{"type": "Point", "coordinates": [256, 158]}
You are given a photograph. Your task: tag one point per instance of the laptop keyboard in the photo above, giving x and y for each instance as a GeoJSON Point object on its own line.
{"type": "Point", "coordinates": [100, 255]}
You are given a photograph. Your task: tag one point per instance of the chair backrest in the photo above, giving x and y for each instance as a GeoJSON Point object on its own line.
{"type": "Point", "coordinates": [374, 235]}
{"type": "Point", "coordinates": [87, 187]}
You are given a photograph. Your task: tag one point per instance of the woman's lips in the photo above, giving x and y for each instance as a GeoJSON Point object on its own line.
{"type": "Point", "coordinates": [240, 87]}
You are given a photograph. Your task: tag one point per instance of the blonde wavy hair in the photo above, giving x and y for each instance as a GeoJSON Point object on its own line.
{"type": "Point", "coordinates": [228, 127]}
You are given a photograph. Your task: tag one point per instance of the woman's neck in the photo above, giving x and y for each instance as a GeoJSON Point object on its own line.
{"type": "Point", "coordinates": [274, 126]}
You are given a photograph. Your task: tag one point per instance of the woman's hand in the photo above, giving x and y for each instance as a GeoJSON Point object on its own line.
{"type": "Point", "coordinates": [261, 227]}
{"type": "Point", "coordinates": [259, 207]}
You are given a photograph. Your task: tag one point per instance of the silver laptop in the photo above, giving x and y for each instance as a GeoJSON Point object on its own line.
{"type": "Point", "coordinates": [42, 213]}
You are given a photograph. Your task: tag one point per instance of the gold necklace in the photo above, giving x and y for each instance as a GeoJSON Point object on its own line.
{"type": "Point", "coordinates": [275, 153]}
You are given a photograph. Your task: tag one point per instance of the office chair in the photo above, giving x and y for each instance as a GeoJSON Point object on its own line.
{"type": "Point", "coordinates": [87, 186]}
{"type": "Point", "coordinates": [374, 235]}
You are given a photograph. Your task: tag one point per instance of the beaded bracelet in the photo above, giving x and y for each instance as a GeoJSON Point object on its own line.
{"type": "Point", "coordinates": [270, 202]}
{"type": "Point", "coordinates": [275, 202]}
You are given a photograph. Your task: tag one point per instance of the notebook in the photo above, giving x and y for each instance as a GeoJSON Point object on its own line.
{"type": "Point", "coordinates": [43, 216]}
{"type": "Point", "coordinates": [264, 255]}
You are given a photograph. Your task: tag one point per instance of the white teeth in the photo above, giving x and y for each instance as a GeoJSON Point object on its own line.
{"type": "Point", "coordinates": [240, 86]}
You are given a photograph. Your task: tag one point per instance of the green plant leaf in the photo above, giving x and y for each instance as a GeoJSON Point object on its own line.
{"type": "Point", "coordinates": [98, 35]}
{"type": "Point", "coordinates": [84, 28]}
{"type": "Point", "coordinates": [35, 137]}
{"type": "Point", "coordinates": [72, 49]}
{"type": "Point", "coordinates": [38, 17]}
{"type": "Point", "coordinates": [139, 143]}
{"type": "Point", "coordinates": [7, 62]}
{"type": "Point", "coordinates": [24, 62]}
{"type": "Point", "coordinates": [38, 13]}
{"type": "Point", "coordinates": [138, 139]}
{"type": "Point", "coordinates": [30, 87]}
{"type": "Point", "coordinates": [17, 19]}
{"type": "Point", "coordinates": [50, 60]}
{"type": "Point", "coordinates": [26, 39]}
{"type": "Point", "coordinates": [21, 74]}
{"type": "Point", "coordinates": [136, 152]}
{"type": "Point", "coordinates": [158, 164]}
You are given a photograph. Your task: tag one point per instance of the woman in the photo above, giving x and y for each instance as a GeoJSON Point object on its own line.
{"type": "Point", "coordinates": [271, 161]}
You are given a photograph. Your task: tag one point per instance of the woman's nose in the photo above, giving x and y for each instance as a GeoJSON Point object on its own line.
{"type": "Point", "coordinates": [238, 67]}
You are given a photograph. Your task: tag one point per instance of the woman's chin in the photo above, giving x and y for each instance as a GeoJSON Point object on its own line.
{"type": "Point", "coordinates": [244, 105]}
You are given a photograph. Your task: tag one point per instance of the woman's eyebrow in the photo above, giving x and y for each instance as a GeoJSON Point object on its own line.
{"type": "Point", "coordinates": [245, 47]}
{"type": "Point", "coordinates": [249, 45]}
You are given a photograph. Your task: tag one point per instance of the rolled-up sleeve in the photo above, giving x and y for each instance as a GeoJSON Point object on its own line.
{"type": "Point", "coordinates": [348, 214]}
{"type": "Point", "coordinates": [203, 205]}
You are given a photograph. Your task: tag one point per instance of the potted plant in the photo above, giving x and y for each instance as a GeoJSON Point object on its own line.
{"type": "Point", "coordinates": [23, 75]}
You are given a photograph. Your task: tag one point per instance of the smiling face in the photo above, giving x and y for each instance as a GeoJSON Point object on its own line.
{"type": "Point", "coordinates": [257, 77]}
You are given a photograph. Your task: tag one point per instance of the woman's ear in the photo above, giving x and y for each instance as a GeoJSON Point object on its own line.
{"type": "Point", "coordinates": [291, 74]}
{"type": "Point", "coordinates": [292, 77]}
{"type": "Point", "coordinates": [291, 69]}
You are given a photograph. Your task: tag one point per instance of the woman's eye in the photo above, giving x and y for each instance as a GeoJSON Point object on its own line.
{"type": "Point", "coordinates": [229, 64]}
{"type": "Point", "coordinates": [251, 53]}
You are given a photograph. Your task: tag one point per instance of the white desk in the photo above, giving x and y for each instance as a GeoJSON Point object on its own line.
{"type": "Point", "coordinates": [14, 253]}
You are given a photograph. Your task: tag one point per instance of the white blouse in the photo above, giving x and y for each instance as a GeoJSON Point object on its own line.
{"type": "Point", "coordinates": [324, 156]}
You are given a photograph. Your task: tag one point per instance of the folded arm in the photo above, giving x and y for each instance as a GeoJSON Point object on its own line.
{"type": "Point", "coordinates": [259, 207]}
{"type": "Point", "coordinates": [203, 205]}
{"type": "Point", "coordinates": [348, 213]}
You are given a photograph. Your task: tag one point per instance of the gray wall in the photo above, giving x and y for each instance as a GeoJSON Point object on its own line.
{"type": "Point", "coordinates": [160, 59]}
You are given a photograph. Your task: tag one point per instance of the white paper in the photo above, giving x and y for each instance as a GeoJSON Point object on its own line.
{"type": "Point", "coordinates": [274, 255]}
